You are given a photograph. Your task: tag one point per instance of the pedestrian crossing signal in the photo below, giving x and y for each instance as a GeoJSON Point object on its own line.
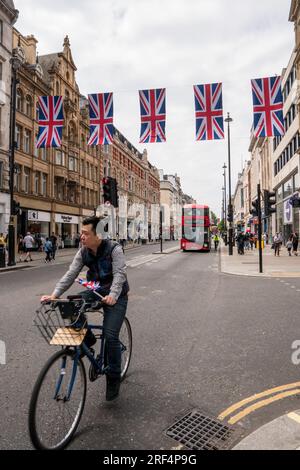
{"type": "Point", "coordinates": [254, 211]}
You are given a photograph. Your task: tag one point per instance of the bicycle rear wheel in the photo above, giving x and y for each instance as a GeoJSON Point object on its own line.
{"type": "Point", "coordinates": [57, 401]}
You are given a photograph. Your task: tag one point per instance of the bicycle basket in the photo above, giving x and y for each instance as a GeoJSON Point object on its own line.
{"type": "Point", "coordinates": [60, 323]}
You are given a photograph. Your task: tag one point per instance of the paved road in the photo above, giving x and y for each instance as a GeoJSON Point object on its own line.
{"type": "Point", "coordinates": [202, 340]}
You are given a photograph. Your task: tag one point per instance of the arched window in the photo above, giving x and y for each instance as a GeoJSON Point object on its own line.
{"type": "Point", "coordinates": [67, 94]}
{"type": "Point", "coordinates": [28, 110]}
{"type": "Point", "coordinates": [19, 100]}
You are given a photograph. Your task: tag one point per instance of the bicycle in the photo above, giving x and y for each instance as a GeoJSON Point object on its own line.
{"type": "Point", "coordinates": [59, 394]}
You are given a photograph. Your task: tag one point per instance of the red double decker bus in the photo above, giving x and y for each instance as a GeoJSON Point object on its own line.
{"type": "Point", "coordinates": [195, 228]}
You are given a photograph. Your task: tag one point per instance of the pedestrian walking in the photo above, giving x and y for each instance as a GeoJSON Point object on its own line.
{"type": "Point", "coordinates": [28, 246]}
{"type": "Point", "coordinates": [277, 243]}
{"type": "Point", "coordinates": [21, 248]}
{"type": "Point", "coordinates": [295, 240]}
{"type": "Point", "coordinates": [289, 246]}
{"type": "Point", "coordinates": [53, 240]}
{"type": "Point", "coordinates": [48, 248]}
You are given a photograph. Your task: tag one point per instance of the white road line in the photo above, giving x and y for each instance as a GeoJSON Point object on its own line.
{"type": "Point", "coordinates": [294, 417]}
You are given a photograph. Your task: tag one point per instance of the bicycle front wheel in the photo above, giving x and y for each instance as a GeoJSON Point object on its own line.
{"type": "Point", "coordinates": [125, 338]}
{"type": "Point", "coordinates": [57, 401]}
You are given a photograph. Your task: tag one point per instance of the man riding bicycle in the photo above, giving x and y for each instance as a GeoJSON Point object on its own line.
{"type": "Point", "coordinates": [106, 264]}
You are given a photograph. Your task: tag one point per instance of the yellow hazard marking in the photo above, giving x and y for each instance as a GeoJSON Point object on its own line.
{"type": "Point", "coordinates": [261, 404]}
{"type": "Point", "coordinates": [295, 417]}
{"type": "Point", "coordinates": [255, 397]}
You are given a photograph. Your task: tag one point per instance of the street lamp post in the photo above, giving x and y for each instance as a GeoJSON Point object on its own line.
{"type": "Point", "coordinates": [16, 61]}
{"type": "Point", "coordinates": [225, 202]}
{"type": "Point", "coordinates": [230, 208]}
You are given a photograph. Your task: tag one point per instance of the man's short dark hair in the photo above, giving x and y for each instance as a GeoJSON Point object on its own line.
{"type": "Point", "coordinates": [93, 220]}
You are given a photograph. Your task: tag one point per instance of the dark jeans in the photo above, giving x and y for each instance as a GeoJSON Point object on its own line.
{"type": "Point", "coordinates": [113, 320]}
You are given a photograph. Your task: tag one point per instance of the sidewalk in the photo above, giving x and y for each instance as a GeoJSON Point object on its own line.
{"type": "Point", "coordinates": [39, 256]}
{"type": "Point", "coordinates": [248, 264]}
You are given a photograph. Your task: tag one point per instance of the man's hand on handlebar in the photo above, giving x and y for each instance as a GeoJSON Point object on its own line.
{"type": "Point", "coordinates": [47, 298]}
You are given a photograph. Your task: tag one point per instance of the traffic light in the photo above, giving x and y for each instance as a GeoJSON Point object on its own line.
{"type": "Point", "coordinates": [295, 201]}
{"type": "Point", "coordinates": [230, 214]}
{"type": "Point", "coordinates": [110, 190]}
{"type": "Point", "coordinates": [16, 210]}
{"type": "Point", "coordinates": [269, 202]}
{"type": "Point", "coordinates": [254, 210]}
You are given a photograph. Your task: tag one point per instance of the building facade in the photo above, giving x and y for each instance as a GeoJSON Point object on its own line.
{"type": "Point", "coordinates": [171, 197]}
{"type": "Point", "coordinates": [8, 16]}
{"type": "Point", "coordinates": [57, 187]}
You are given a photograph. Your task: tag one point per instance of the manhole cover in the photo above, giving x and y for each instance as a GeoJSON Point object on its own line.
{"type": "Point", "coordinates": [197, 431]}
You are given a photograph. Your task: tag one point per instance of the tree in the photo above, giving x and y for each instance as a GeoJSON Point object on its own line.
{"type": "Point", "coordinates": [214, 218]}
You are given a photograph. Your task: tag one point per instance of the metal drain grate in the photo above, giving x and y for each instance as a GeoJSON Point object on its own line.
{"type": "Point", "coordinates": [197, 431]}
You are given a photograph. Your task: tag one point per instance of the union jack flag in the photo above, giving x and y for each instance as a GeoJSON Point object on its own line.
{"type": "Point", "coordinates": [92, 285]}
{"type": "Point", "coordinates": [153, 115]}
{"type": "Point", "coordinates": [51, 121]}
{"type": "Point", "coordinates": [101, 119]}
{"type": "Point", "coordinates": [209, 112]}
{"type": "Point", "coordinates": [267, 107]}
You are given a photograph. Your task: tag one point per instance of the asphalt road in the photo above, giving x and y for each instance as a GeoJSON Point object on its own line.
{"type": "Point", "coordinates": [201, 340]}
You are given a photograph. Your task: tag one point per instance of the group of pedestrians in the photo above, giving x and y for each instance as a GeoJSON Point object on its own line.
{"type": "Point", "coordinates": [292, 244]}
{"type": "Point", "coordinates": [27, 245]}
{"type": "Point", "coordinates": [245, 241]}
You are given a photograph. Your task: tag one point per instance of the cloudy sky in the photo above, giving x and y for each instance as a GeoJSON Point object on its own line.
{"type": "Point", "coordinates": [126, 45]}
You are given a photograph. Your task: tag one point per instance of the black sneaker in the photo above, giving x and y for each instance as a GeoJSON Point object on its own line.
{"type": "Point", "coordinates": [112, 388]}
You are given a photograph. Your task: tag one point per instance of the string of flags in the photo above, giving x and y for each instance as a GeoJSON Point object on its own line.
{"type": "Point", "coordinates": [267, 114]}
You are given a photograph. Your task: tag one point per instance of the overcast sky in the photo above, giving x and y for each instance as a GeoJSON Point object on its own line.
{"type": "Point", "coordinates": [123, 46]}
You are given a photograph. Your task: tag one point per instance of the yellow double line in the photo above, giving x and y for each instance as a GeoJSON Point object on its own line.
{"type": "Point", "coordinates": [273, 394]}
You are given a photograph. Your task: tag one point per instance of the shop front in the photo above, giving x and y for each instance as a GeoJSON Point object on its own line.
{"type": "Point", "coordinates": [67, 228]}
{"type": "Point", "coordinates": [35, 222]}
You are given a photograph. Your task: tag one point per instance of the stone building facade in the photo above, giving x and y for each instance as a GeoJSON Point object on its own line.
{"type": "Point", "coordinates": [8, 16]}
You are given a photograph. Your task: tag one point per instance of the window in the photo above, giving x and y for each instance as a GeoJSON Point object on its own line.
{"type": "Point", "coordinates": [1, 31]}
{"type": "Point", "coordinates": [37, 111]}
{"type": "Point", "coordinates": [19, 103]}
{"type": "Point", "coordinates": [37, 182]}
{"type": "Point", "coordinates": [27, 139]}
{"type": "Point", "coordinates": [58, 157]}
{"type": "Point", "coordinates": [18, 136]}
{"type": "Point", "coordinates": [28, 106]}
{"type": "Point", "coordinates": [1, 71]}
{"type": "Point", "coordinates": [72, 163]}
{"type": "Point", "coordinates": [44, 184]}
{"type": "Point", "coordinates": [17, 177]}
{"type": "Point", "coordinates": [57, 88]}
{"type": "Point", "coordinates": [26, 179]}
{"type": "Point", "coordinates": [43, 154]}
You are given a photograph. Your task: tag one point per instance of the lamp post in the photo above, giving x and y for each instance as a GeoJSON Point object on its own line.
{"type": "Point", "coordinates": [230, 209]}
{"type": "Point", "coordinates": [225, 202]}
{"type": "Point", "coordinates": [16, 61]}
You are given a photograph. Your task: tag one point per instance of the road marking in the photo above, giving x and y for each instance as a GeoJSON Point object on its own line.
{"type": "Point", "coordinates": [255, 397]}
{"type": "Point", "coordinates": [295, 417]}
{"type": "Point", "coordinates": [261, 404]}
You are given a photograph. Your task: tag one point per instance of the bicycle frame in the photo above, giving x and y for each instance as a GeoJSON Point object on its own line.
{"type": "Point", "coordinates": [97, 364]}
